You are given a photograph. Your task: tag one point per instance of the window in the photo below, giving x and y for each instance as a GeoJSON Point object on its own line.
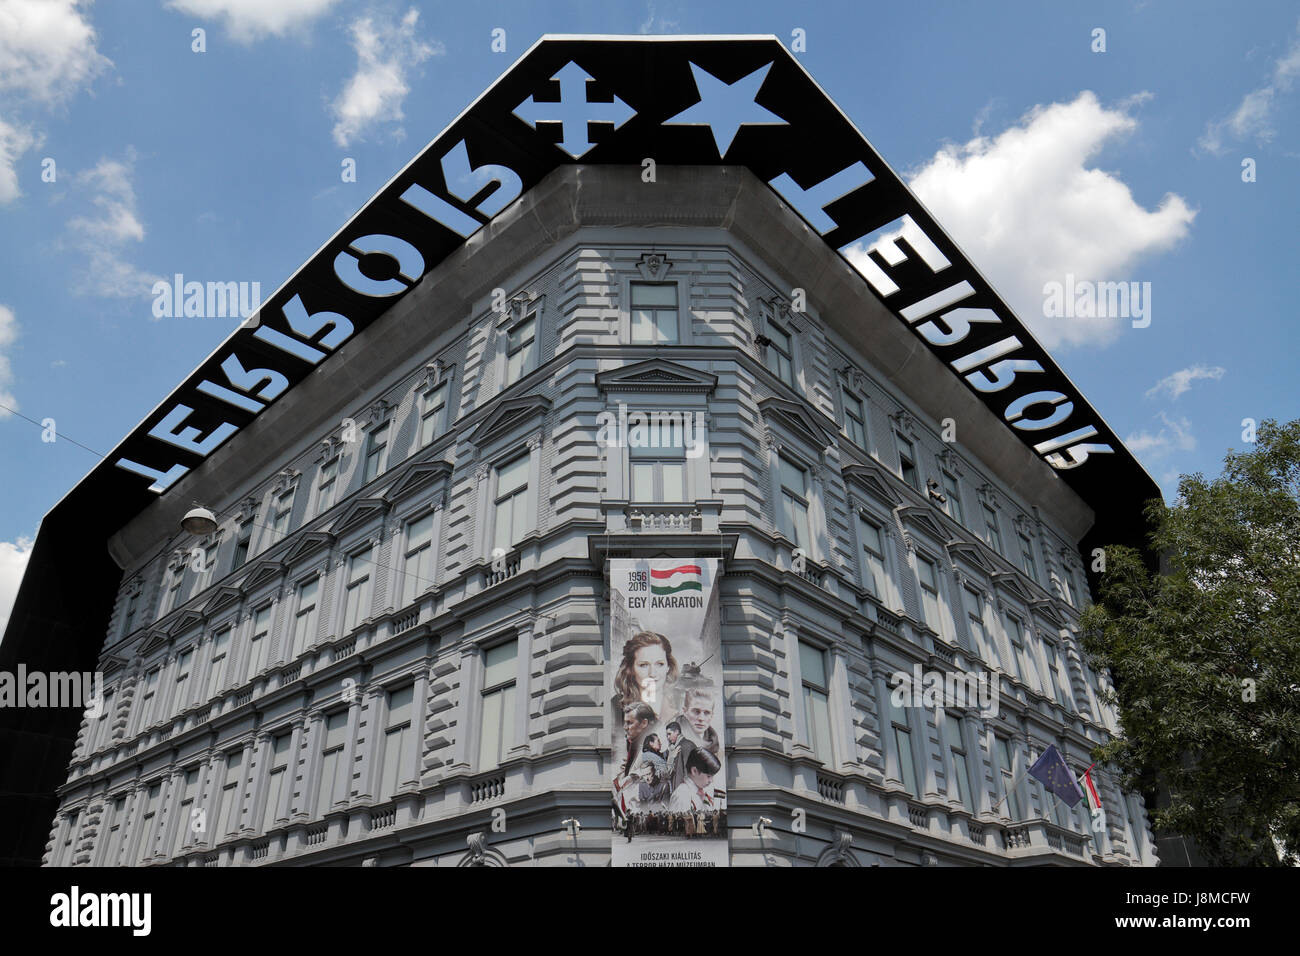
{"type": "Point", "coordinates": [657, 453]}
{"type": "Point", "coordinates": [907, 461]}
{"type": "Point", "coordinates": [113, 845]}
{"type": "Point", "coordinates": [210, 558]}
{"type": "Point", "coordinates": [902, 731]}
{"type": "Point", "coordinates": [816, 705]}
{"type": "Point", "coordinates": [952, 491]}
{"type": "Point", "coordinates": [1060, 683]}
{"type": "Point", "coordinates": [397, 740]}
{"type": "Point", "coordinates": [146, 700]}
{"type": "Point", "coordinates": [185, 813]}
{"type": "Point", "coordinates": [356, 603]}
{"type": "Point", "coordinates": [103, 726]}
{"type": "Point", "coordinates": [873, 557]}
{"type": "Point", "coordinates": [1067, 591]}
{"type": "Point", "coordinates": [417, 569]}
{"type": "Point", "coordinates": [376, 451]}
{"type": "Point", "coordinates": [511, 519]}
{"type": "Point", "coordinates": [780, 352]}
{"type": "Point", "coordinates": [132, 608]}
{"type": "Point", "coordinates": [495, 732]}
{"type": "Point", "coordinates": [329, 473]}
{"type": "Point", "coordinates": [794, 502]}
{"type": "Point", "coordinates": [975, 619]}
{"type": "Point", "coordinates": [1027, 562]}
{"type": "Point", "coordinates": [961, 772]}
{"type": "Point", "coordinates": [281, 515]}
{"type": "Point", "coordinates": [991, 533]}
{"type": "Point", "coordinates": [217, 666]}
{"type": "Point", "coordinates": [654, 313]}
{"type": "Point", "coordinates": [520, 356]}
{"type": "Point", "coordinates": [181, 700]}
{"type": "Point", "coordinates": [229, 809]}
{"type": "Point", "coordinates": [333, 785]}
{"type": "Point", "coordinates": [929, 581]}
{"type": "Point", "coordinates": [171, 596]}
{"type": "Point", "coordinates": [241, 545]}
{"type": "Point", "coordinates": [69, 838]}
{"type": "Point", "coordinates": [433, 419]}
{"type": "Point", "coordinates": [1005, 766]}
{"type": "Point", "coordinates": [855, 419]}
{"type": "Point", "coordinates": [1022, 666]}
{"type": "Point", "coordinates": [276, 780]}
{"type": "Point", "coordinates": [304, 619]}
{"type": "Point", "coordinates": [257, 644]}
{"type": "Point", "coordinates": [145, 848]}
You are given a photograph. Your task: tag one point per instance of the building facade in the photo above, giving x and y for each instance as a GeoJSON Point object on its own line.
{"type": "Point", "coordinates": [392, 651]}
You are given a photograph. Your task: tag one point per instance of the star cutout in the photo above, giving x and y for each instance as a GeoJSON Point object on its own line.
{"type": "Point", "coordinates": [725, 107]}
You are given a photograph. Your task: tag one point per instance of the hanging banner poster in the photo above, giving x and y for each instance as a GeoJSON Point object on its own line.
{"type": "Point", "coordinates": [665, 683]}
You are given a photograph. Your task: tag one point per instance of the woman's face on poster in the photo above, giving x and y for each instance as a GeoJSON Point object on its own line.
{"type": "Point", "coordinates": [651, 667]}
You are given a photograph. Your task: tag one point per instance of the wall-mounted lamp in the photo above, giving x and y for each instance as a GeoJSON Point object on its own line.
{"type": "Point", "coordinates": [199, 521]}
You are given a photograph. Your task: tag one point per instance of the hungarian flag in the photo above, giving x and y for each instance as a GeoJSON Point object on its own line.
{"type": "Point", "coordinates": [684, 577]}
{"type": "Point", "coordinates": [1089, 790]}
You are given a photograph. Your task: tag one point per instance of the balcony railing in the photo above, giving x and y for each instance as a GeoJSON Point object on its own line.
{"type": "Point", "coordinates": [830, 788]}
{"type": "Point", "coordinates": [488, 788]}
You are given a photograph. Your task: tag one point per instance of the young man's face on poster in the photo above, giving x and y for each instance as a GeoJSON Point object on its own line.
{"type": "Point", "coordinates": [700, 713]}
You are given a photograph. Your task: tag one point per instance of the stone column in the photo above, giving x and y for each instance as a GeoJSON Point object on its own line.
{"type": "Point", "coordinates": [842, 707]}
{"type": "Point", "coordinates": [375, 716]}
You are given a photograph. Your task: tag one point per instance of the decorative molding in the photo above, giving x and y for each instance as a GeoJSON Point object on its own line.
{"type": "Point", "coordinates": [949, 459]}
{"type": "Point", "coordinates": [656, 375]}
{"type": "Point", "coordinates": [904, 422]}
{"type": "Point", "coordinates": [654, 266]}
{"type": "Point", "coordinates": [854, 377]}
{"type": "Point", "coordinates": [794, 417]}
{"type": "Point", "coordinates": [358, 511]}
{"type": "Point", "coordinates": [872, 478]}
{"type": "Point", "coordinates": [379, 412]}
{"type": "Point", "coordinates": [286, 479]}
{"type": "Point", "coordinates": [520, 304]}
{"type": "Point", "coordinates": [419, 477]}
{"type": "Point", "coordinates": [988, 494]}
{"type": "Point", "coordinates": [507, 415]}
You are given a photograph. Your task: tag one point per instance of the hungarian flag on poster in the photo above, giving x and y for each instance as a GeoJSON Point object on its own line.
{"type": "Point", "coordinates": [684, 577]}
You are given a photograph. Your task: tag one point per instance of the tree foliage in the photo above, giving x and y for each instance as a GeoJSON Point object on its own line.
{"type": "Point", "coordinates": [1206, 657]}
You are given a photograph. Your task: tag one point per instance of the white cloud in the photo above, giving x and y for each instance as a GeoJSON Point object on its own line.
{"type": "Point", "coordinates": [13, 561]}
{"type": "Point", "coordinates": [654, 24]}
{"type": "Point", "coordinates": [1254, 116]}
{"type": "Point", "coordinates": [14, 141]}
{"type": "Point", "coordinates": [374, 94]}
{"type": "Point", "coordinates": [1027, 209]}
{"type": "Point", "coordinates": [1176, 435]}
{"type": "Point", "coordinates": [47, 49]}
{"type": "Point", "coordinates": [249, 20]}
{"type": "Point", "coordinates": [1180, 381]}
{"type": "Point", "coordinates": [8, 332]}
{"type": "Point", "coordinates": [105, 237]}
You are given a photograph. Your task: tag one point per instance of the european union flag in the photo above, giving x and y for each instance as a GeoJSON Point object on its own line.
{"type": "Point", "coordinates": [1052, 772]}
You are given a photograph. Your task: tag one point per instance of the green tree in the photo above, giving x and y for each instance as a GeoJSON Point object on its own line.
{"type": "Point", "coordinates": [1206, 657]}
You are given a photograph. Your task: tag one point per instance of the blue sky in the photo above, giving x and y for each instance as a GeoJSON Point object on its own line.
{"type": "Point", "coordinates": [1042, 157]}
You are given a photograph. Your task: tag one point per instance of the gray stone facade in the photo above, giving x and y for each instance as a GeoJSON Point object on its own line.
{"type": "Point", "coordinates": [302, 705]}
